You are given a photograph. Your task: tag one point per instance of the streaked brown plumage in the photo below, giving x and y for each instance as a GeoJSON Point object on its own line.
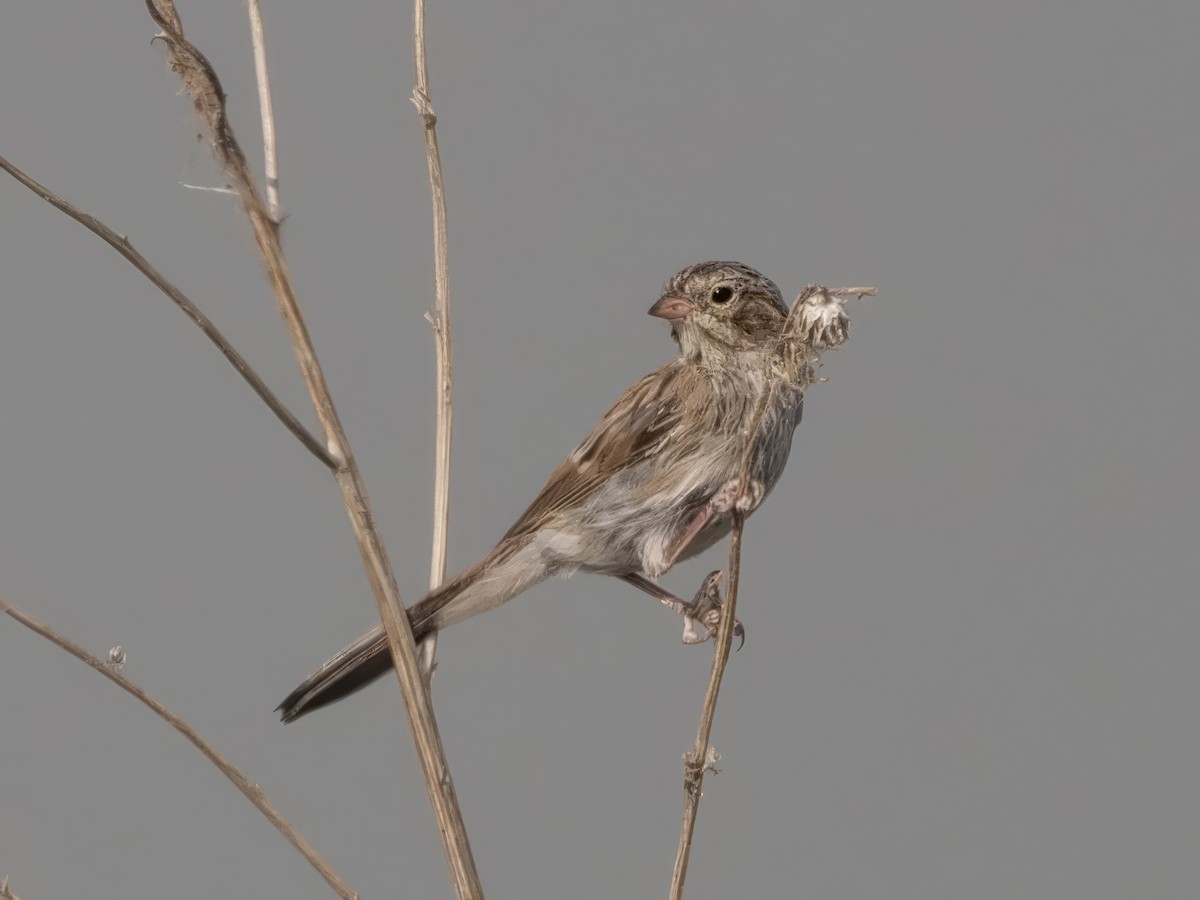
{"type": "Point", "coordinates": [652, 483]}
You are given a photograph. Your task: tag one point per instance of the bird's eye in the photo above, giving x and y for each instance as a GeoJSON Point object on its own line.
{"type": "Point", "coordinates": [722, 294]}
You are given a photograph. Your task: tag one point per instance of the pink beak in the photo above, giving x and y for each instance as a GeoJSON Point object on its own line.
{"type": "Point", "coordinates": [671, 307]}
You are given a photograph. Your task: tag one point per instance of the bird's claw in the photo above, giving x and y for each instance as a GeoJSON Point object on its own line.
{"type": "Point", "coordinates": [705, 608]}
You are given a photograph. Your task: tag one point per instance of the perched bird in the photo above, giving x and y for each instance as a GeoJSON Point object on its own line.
{"type": "Point", "coordinates": [652, 483]}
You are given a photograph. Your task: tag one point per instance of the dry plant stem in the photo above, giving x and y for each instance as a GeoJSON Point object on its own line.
{"type": "Point", "coordinates": [201, 82]}
{"type": "Point", "coordinates": [697, 761]}
{"type": "Point", "coordinates": [121, 244]}
{"type": "Point", "coordinates": [251, 790]}
{"type": "Point", "coordinates": [270, 156]}
{"type": "Point", "coordinates": [6, 891]}
{"type": "Point", "coordinates": [440, 320]}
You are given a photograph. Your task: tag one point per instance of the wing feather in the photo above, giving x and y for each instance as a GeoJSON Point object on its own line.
{"type": "Point", "coordinates": [629, 433]}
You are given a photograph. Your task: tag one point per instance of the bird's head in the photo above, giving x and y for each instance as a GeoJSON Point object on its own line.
{"type": "Point", "coordinates": [721, 307]}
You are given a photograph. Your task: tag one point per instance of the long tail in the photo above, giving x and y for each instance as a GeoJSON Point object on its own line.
{"type": "Point", "coordinates": [495, 579]}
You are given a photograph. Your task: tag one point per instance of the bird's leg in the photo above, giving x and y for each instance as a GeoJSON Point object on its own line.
{"type": "Point", "coordinates": [727, 497]}
{"type": "Point", "coordinates": [670, 601]}
{"type": "Point", "coordinates": [703, 609]}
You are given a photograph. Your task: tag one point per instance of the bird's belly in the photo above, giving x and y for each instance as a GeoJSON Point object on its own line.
{"type": "Point", "coordinates": [636, 522]}
{"type": "Point", "coordinates": [660, 549]}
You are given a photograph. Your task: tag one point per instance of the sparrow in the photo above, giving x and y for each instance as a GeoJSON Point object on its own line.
{"type": "Point", "coordinates": [654, 482]}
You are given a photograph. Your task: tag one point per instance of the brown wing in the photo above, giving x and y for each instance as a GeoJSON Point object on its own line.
{"type": "Point", "coordinates": [630, 432]}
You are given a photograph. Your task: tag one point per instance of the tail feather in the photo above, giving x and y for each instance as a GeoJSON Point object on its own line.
{"type": "Point", "coordinates": [467, 594]}
{"type": "Point", "coordinates": [351, 670]}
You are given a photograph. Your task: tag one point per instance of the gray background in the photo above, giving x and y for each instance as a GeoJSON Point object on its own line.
{"type": "Point", "coordinates": [971, 602]}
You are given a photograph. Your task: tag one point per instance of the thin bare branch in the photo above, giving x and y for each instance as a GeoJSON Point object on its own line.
{"type": "Point", "coordinates": [252, 792]}
{"type": "Point", "coordinates": [271, 160]}
{"type": "Point", "coordinates": [200, 81]}
{"type": "Point", "coordinates": [440, 320]}
{"type": "Point", "coordinates": [121, 244]}
{"type": "Point", "coordinates": [809, 327]}
{"type": "Point", "coordinates": [6, 891]}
